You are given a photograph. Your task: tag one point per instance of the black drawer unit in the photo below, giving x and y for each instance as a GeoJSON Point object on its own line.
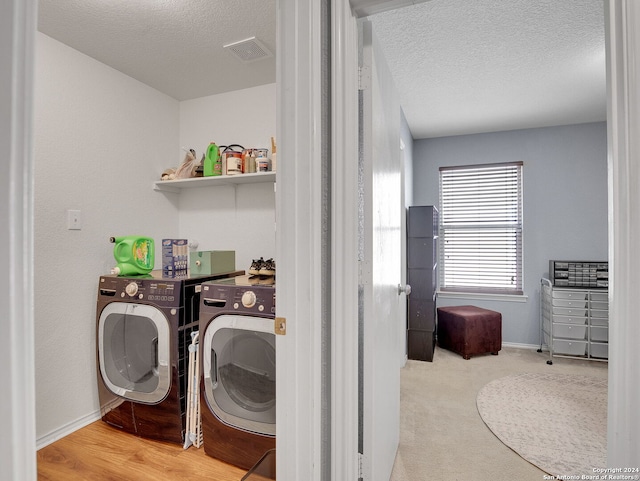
{"type": "Point", "coordinates": [422, 276]}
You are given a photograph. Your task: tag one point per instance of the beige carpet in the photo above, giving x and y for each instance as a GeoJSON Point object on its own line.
{"type": "Point", "coordinates": [556, 421]}
{"type": "Point", "coordinates": [442, 436]}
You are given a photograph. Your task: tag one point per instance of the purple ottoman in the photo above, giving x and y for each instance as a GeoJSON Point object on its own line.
{"type": "Point", "coordinates": [469, 330]}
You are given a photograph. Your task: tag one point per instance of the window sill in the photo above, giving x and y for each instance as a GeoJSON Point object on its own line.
{"type": "Point", "coordinates": [483, 297]}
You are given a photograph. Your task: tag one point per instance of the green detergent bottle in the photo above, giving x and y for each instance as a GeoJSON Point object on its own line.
{"type": "Point", "coordinates": [212, 162]}
{"type": "Point", "coordinates": [134, 255]}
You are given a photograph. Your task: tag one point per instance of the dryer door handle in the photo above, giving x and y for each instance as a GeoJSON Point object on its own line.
{"type": "Point", "coordinates": [214, 369]}
{"type": "Point", "coordinates": [155, 352]}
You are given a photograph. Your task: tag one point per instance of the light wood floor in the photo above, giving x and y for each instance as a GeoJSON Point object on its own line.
{"type": "Point", "coordinates": [99, 452]}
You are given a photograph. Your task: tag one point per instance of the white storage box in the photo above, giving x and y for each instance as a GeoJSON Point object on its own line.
{"type": "Point", "coordinates": [599, 333]}
{"type": "Point", "coordinates": [569, 348]}
{"type": "Point", "coordinates": [574, 303]}
{"type": "Point", "coordinates": [570, 331]}
{"type": "Point", "coordinates": [600, 350]}
{"type": "Point", "coordinates": [570, 319]}
{"type": "Point", "coordinates": [562, 294]}
{"type": "Point", "coordinates": [600, 296]}
{"type": "Point", "coordinates": [596, 314]}
{"type": "Point", "coordinates": [601, 305]}
{"type": "Point", "coordinates": [565, 311]}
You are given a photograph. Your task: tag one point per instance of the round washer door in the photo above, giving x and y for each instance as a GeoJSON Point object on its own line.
{"type": "Point", "coordinates": [239, 371]}
{"type": "Point", "coordinates": [134, 352]}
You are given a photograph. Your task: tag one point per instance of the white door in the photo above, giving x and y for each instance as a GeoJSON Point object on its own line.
{"type": "Point", "coordinates": [382, 307]}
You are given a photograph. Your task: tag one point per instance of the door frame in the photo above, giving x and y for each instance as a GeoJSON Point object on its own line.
{"type": "Point", "coordinates": [300, 193]}
{"type": "Point", "coordinates": [18, 24]}
{"type": "Point", "coordinates": [622, 24]}
{"type": "Point", "coordinates": [345, 250]}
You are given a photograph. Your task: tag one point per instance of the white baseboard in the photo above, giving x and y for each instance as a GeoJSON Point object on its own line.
{"type": "Point", "coordinates": [523, 346]}
{"type": "Point", "coordinates": [67, 429]}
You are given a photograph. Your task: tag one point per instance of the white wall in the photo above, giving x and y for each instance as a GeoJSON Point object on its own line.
{"type": "Point", "coordinates": [565, 202]}
{"type": "Point", "coordinates": [240, 218]}
{"type": "Point", "coordinates": [246, 117]}
{"type": "Point", "coordinates": [101, 139]}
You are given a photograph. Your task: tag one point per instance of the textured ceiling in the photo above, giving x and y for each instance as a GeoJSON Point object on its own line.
{"type": "Point", "coordinates": [466, 66]}
{"type": "Point", "coordinates": [460, 66]}
{"type": "Point", "coordinates": [175, 46]}
{"type": "Point", "coordinates": [363, 8]}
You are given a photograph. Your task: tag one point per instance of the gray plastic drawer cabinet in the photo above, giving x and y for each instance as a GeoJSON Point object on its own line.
{"type": "Point", "coordinates": [574, 321]}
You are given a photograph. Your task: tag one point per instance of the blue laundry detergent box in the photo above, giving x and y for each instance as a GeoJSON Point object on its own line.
{"type": "Point", "coordinates": [175, 255]}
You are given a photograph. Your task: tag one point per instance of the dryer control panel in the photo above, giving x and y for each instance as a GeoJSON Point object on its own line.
{"type": "Point", "coordinates": [246, 299]}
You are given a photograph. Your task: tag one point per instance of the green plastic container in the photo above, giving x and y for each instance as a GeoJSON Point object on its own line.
{"type": "Point", "coordinates": [212, 162]}
{"type": "Point", "coordinates": [134, 255]}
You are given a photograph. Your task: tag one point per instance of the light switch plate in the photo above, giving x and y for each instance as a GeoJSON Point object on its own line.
{"type": "Point", "coordinates": [74, 220]}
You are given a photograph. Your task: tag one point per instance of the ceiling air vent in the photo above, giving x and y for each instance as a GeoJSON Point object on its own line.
{"type": "Point", "coordinates": [249, 50]}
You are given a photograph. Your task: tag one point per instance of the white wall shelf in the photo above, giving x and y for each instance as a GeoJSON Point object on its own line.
{"type": "Point", "coordinates": [175, 186]}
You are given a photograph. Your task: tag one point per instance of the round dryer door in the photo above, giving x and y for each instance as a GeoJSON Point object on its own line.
{"type": "Point", "coordinates": [134, 352]}
{"type": "Point", "coordinates": [239, 364]}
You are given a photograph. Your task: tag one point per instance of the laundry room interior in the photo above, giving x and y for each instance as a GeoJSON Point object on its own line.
{"type": "Point", "coordinates": [102, 140]}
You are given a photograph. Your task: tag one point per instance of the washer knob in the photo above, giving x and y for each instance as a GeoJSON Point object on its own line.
{"type": "Point", "coordinates": [249, 299]}
{"type": "Point", "coordinates": [131, 289]}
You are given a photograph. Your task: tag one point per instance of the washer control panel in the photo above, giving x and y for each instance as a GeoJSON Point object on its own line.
{"type": "Point", "coordinates": [162, 293]}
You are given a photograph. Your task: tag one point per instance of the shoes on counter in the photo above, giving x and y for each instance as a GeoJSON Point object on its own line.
{"type": "Point", "coordinates": [268, 268]}
{"type": "Point", "coordinates": [260, 267]}
{"type": "Point", "coordinates": [256, 266]}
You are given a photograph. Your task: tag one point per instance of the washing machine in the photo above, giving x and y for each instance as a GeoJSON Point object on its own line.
{"type": "Point", "coordinates": [144, 326]}
{"type": "Point", "coordinates": [238, 355]}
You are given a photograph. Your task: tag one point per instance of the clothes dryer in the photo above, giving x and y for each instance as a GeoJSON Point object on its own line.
{"type": "Point", "coordinates": [144, 326]}
{"type": "Point", "coordinates": [238, 353]}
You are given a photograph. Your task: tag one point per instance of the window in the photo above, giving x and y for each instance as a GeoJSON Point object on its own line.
{"type": "Point", "coordinates": [481, 228]}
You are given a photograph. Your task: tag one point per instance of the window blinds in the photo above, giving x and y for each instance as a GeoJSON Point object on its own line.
{"type": "Point", "coordinates": [481, 228]}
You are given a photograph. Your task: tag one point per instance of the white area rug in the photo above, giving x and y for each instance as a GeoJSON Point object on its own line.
{"type": "Point", "coordinates": [557, 422]}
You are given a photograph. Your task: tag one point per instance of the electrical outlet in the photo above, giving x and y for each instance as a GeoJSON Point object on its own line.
{"type": "Point", "coordinates": [74, 220]}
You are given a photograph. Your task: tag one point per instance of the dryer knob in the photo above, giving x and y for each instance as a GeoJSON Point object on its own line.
{"type": "Point", "coordinates": [249, 299]}
{"type": "Point", "coordinates": [131, 289]}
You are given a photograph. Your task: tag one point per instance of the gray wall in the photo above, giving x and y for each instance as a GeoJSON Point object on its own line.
{"type": "Point", "coordinates": [405, 135]}
{"type": "Point", "coordinates": [565, 202]}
